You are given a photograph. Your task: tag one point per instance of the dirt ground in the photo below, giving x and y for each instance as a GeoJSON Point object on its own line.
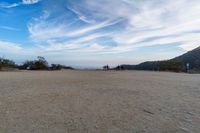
{"type": "Point", "coordinates": [99, 102]}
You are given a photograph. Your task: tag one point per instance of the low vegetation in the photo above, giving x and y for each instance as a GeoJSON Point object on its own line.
{"type": "Point", "coordinates": [39, 64]}
{"type": "Point", "coordinates": [174, 66]}
{"type": "Point", "coordinates": [6, 64]}
{"type": "Point", "coordinates": [56, 67]}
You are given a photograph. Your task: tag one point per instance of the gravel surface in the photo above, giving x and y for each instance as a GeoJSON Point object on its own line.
{"type": "Point", "coordinates": [99, 102]}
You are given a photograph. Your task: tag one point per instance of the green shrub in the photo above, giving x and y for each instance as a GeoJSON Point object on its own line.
{"type": "Point", "coordinates": [6, 63]}
{"type": "Point", "coordinates": [56, 67]}
{"type": "Point", "coordinates": [39, 64]}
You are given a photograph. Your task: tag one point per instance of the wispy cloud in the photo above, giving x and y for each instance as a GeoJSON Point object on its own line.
{"type": "Point", "coordinates": [42, 29]}
{"type": "Point", "coordinates": [9, 47]}
{"type": "Point", "coordinates": [81, 16]}
{"type": "Point", "coordinates": [9, 28]}
{"type": "Point", "coordinates": [27, 2]}
{"type": "Point", "coordinates": [23, 2]}
{"type": "Point", "coordinates": [9, 5]}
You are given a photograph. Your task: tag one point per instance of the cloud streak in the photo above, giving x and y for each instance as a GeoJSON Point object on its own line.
{"type": "Point", "coordinates": [28, 2]}
{"type": "Point", "coordinates": [9, 28]}
{"type": "Point", "coordinates": [23, 2]}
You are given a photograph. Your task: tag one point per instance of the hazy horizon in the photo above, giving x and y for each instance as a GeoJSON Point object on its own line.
{"type": "Point", "coordinates": [93, 33]}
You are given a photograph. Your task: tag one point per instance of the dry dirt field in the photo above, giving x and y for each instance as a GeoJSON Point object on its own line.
{"type": "Point", "coordinates": [99, 102]}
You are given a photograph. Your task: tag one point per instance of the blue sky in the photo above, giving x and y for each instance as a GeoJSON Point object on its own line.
{"type": "Point", "coordinates": [91, 33]}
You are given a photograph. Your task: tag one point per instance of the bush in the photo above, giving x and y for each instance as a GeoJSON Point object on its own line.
{"type": "Point", "coordinates": [173, 66]}
{"type": "Point", "coordinates": [39, 64]}
{"type": "Point", "coordinates": [195, 70]}
{"type": "Point", "coordinates": [6, 63]}
{"type": "Point", "coordinates": [56, 67]}
{"type": "Point", "coordinates": [106, 67]}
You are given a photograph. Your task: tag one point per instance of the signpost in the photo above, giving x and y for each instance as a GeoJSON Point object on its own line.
{"type": "Point", "coordinates": [188, 67]}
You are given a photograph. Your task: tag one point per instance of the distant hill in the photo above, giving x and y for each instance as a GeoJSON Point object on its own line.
{"type": "Point", "coordinates": [177, 64]}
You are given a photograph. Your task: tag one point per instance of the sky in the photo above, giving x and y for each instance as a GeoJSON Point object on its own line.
{"type": "Point", "coordinates": [92, 33]}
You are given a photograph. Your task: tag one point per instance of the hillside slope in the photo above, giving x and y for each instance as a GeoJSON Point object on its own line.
{"type": "Point", "coordinates": [191, 57]}
{"type": "Point", "coordinates": [175, 64]}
